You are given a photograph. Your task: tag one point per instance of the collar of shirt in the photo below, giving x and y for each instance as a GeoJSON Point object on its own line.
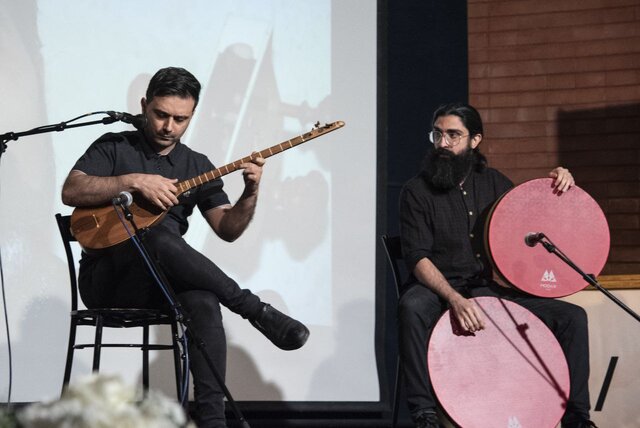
{"type": "Point", "coordinates": [173, 156]}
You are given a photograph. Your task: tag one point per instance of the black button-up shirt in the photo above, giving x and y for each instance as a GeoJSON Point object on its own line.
{"type": "Point", "coordinates": [447, 227]}
{"type": "Point", "coordinates": [127, 152]}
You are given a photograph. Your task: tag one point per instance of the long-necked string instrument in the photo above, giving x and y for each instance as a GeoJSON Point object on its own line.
{"type": "Point", "coordinates": [100, 227]}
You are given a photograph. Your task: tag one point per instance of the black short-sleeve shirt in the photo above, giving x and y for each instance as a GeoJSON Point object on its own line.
{"type": "Point", "coordinates": [128, 152]}
{"type": "Point", "coordinates": [447, 227]}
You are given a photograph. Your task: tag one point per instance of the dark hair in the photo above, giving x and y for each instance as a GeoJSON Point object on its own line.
{"type": "Point", "coordinates": [471, 120]}
{"type": "Point", "coordinates": [173, 81]}
{"type": "Point", "coordinates": [468, 115]}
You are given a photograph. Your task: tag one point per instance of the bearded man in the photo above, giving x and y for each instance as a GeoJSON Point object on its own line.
{"type": "Point", "coordinates": [442, 230]}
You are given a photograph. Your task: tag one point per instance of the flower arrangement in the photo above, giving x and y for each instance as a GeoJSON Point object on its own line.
{"type": "Point", "coordinates": [100, 401]}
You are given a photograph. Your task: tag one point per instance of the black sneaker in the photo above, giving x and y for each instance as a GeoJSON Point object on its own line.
{"type": "Point", "coordinates": [282, 330]}
{"type": "Point", "coordinates": [428, 420]}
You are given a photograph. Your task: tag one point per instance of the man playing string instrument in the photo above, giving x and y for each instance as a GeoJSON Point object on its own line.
{"type": "Point", "coordinates": [148, 163]}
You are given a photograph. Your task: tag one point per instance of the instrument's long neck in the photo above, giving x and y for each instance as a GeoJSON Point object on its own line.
{"type": "Point", "coordinates": [100, 227]}
{"type": "Point", "coordinates": [186, 185]}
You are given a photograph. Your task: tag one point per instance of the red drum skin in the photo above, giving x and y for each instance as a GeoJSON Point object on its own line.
{"type": "Point", "coordinates": [573, 221]}
{"type": "Point", "coordinates": [511, 374]}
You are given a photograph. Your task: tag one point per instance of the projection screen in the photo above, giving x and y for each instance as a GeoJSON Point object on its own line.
{"type": "Point", "coordinates": [269, 70]}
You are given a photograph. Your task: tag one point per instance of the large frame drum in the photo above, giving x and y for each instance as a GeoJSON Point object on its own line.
{"type": "Point", "coordinates": [512, 374]}
{"type": "Point", "coordinates": [572, 220]}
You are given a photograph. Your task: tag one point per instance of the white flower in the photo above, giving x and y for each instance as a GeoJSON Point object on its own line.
{"type": "Point", "coordinates": [104, 402]}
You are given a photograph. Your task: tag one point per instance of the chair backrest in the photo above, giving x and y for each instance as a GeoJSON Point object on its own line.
{"type": "Point", "coordinates": [393, 249]}
{"type": "Point", "coordinates": [64, 226]}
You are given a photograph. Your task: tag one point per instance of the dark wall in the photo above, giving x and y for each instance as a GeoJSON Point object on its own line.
{"type": "Point", "coordinates": [422, 63]}
{"type": "Point", "coordinates": [426, 61]}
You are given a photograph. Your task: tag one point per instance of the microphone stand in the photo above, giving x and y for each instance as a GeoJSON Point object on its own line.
{"type": "Point", "coordinates": [180, 314]}
{"type": "Point", "coordinates": [590, 278]}
{"type": "Point", "coordinates": [6, 137]}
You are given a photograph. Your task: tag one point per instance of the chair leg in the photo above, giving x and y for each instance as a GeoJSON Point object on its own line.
{"type": "Point", "coordinates": [70, 352]}
{"type": "Point", "coordinates": [97, 345]}
{"type": "Point", "coordinates": [176, 358]}
{"type": "Point", "coordinates": [396, 395]}
{"type": "Point", "coordinates": [145, 358]}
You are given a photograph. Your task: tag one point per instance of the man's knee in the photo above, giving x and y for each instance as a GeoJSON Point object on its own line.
{"type": "Point", "coordinates": [564, 318]}
{"type": "Point", "coordinates": [577, 316]}
{"type": "Point", "coordinates": [162, 242]}
{"type": "Point", "coordinates": [419, 304]}
{"type": "Point", "coordinates": [202, 305]}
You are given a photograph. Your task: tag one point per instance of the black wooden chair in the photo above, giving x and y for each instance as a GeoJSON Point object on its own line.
{"type": "Point", "coordinates": [393, 250]}
{"type": "Point", "coordinates": [114, 318]}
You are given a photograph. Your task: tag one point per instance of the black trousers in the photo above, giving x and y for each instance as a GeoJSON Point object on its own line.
{"type": "Point", "coordinates": [119, 278]}
{"type": "Point", "coordinates": [420, 308]}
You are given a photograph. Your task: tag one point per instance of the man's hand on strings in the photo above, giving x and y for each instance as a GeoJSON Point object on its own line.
{"type": "Point", "coordinates": [252, 173]}
{"type": "Point", "coordinates": [158, 190]}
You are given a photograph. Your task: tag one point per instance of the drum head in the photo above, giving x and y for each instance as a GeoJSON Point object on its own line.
{"type": "Point", "coordinates": [511, 374]}
{"type": "Point", "coordinates": [573, 221]}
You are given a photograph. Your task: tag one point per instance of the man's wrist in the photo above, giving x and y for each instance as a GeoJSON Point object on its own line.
{"type": "Point", "coordinates": [250, 193]}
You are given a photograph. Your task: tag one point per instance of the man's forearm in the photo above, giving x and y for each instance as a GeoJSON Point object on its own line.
{"type": "Point", "coordinates": [467, 312]}
{"type": "Point", "coordinates": [86, 190]}
{"type": "Point", "coordinates": [429, 275]}
{"type": "Point", "coordinates": [237, 218]}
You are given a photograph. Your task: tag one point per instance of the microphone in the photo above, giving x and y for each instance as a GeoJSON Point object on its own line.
{"type": "Point", "coordinates": [532, 239]}
{"type": "Point", "coordinates": [138, 121]}
{"type": "Point", "coordinates": [124, 199]}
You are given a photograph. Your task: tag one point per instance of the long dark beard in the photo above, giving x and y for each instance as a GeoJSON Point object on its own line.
{"type": "Point", "coordinates": [444, 170]}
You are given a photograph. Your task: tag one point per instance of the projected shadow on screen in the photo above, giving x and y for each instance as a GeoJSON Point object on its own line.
{"type": "Point", "coordinates": [599, 146]}
{"type": "Point", "coordinates": [244, 376]}
{"type": "Point", "coordinates": [27, 227]}
{"type": "Point", "coordinates": [137, 90]}
{"type": "Point", "coordinates": [245, 380]}
{"type": "Point", "coordinates": [331, 377]}
{"type": "Point", "coordinates": [241, 111]}
{"type": "Point", "coordinates": [39, 351]}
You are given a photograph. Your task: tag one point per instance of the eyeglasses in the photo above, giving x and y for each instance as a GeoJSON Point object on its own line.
{"type": "Point", "coordinates": [451, 138]}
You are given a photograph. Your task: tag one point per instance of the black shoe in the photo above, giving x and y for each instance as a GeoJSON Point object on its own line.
{"type": "Point", "coordinates": [285, 332]}
{"type": "Point", "coordinates": [428, 420]}
{"type": "Point", "coordinates": [585, 423]}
